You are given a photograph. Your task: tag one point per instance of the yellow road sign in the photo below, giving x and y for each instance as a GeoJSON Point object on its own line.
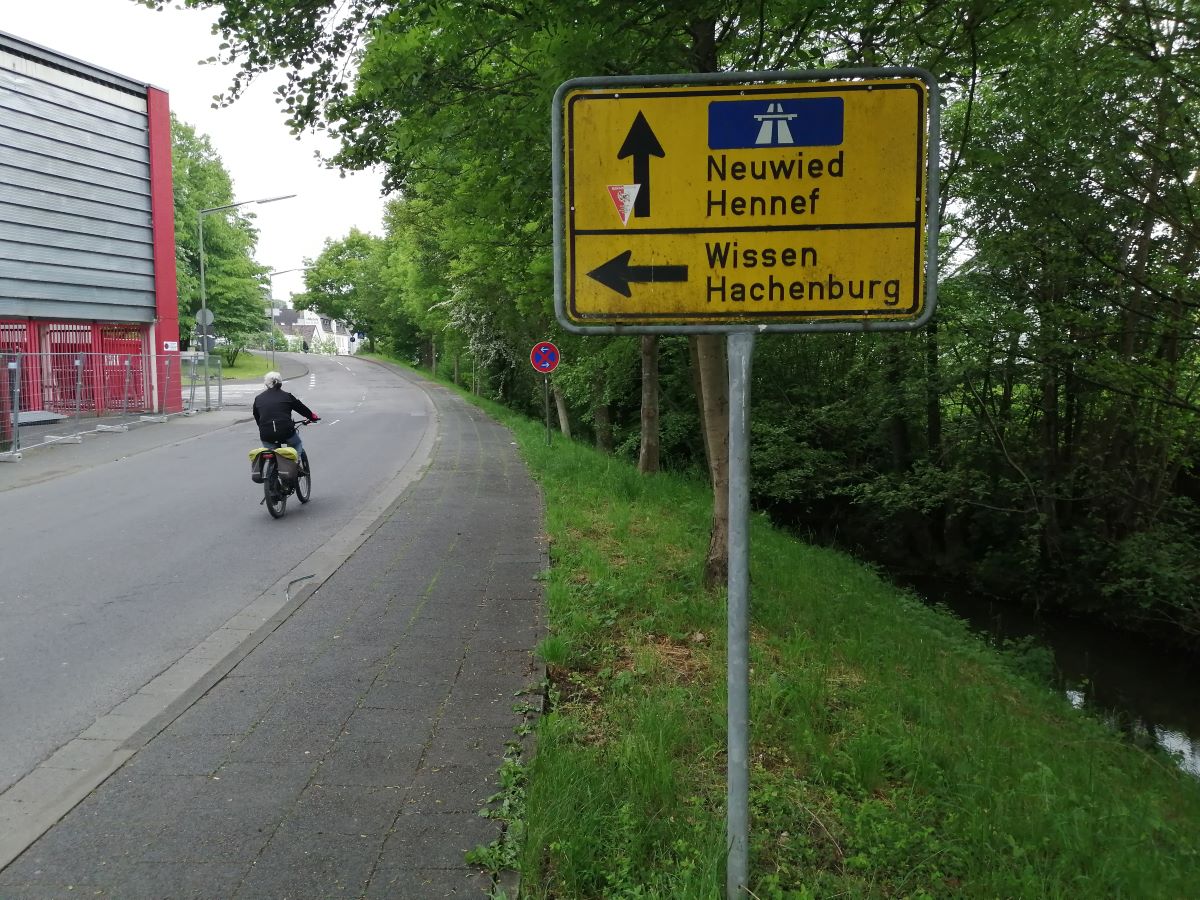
{"type": "Point", "coordinates": [703, 204]}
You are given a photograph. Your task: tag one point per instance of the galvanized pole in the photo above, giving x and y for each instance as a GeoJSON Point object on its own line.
{"type": "Point", "coordinates": [546, 379]}
{"type": "Point", "coordinates": [128, 382]}
{"type": "Point", "coordinates": [78, 391]}
{"type": "Point", "coordinates": [191, 386]}
{"type": "Point", "coordinates": [14, 392]}
{"type": "Point", "coordinates": [740, 349]}
{"type": "Point", "coordinates": [203, 312]}
{"type": "Point", "coordinates": [166, 397]}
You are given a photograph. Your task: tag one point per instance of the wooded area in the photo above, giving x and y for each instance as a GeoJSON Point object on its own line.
{"type": "Point", "coordinates": [1039, 441]}
{"type": "Point", "coordinates": [236, 285]}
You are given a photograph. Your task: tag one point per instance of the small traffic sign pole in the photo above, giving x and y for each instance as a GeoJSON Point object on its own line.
{"type": "Point", "coordinates": [544, 357]}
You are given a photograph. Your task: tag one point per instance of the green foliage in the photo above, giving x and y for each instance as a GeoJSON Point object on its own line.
{"type": "Point", "coordinates": [1031, 659]}
{"type": "Point", "coordinates": [893, 753]}
{"type": "Point", "coordinates": [277, 340]}
{"type": "Point", "coordinates": [508, 806]}
{"type": "Point", "coordinates": [232, 347]}
{"type": "Point", "coordinates": [553, 650]}
{"type": "Point", "coordinates": [347, 283]}
{"type": "Point", "coordinates": [1032, 442]}
{"type": "Point", "coordinates": [249, 366]}
{"type": "Point", "coordinates": [1161, 568]}
{"type": "Point", "coordinates": [233, 281]}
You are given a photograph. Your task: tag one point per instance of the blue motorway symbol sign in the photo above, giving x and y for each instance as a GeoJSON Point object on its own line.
{"type": "Point", "coordinates": [544, 357]}
{"type": "Point", "coordinates": [767, 124]}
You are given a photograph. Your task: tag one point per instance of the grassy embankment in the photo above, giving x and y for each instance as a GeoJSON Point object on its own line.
{"type": "Point", "coordinates": [248, 366]}
{"type": "Point", "coordinates": [893, 754]}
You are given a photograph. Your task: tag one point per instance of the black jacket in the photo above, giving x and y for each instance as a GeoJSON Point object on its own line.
{"type": "Point", "coordinates": [273, 413]}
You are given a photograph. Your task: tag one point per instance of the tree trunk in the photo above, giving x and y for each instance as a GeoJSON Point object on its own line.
{"type": "Point", "coordinates": [457, 361]}
{"type": "Point", "coordinates": [648, 455]}
{"type": "Point", "coordinates": [936, 521]}
{"type": "Point", "coordinates": [1050, 463]}
{"type": "Point", "coordinates": [602, 414]}
{"type": "Point", "coordinates": [713, 370]}
{"type": "Point", "coordinates": [604, 434]}
{"type": "Point", "coordinates": [933, 395]}
{"type": "Point", "coordinates": [698, 388]}
{"type": "Point", "coordinates": [560, 403]}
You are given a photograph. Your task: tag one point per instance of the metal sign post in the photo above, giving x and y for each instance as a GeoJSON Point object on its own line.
{"type": "Point", "coordinates": [166, 401]}
{"type": "Point", "coordinates": [204, 318]}
{"type": "Point", "coordinates": [740, 350]}
{"type": "Point", "coordinates": [78, 390]}
{"type": "Point", "coordinates": [735, 204]}
{"type": "Point", "coordinates": [14, 387]}
{"type": "Point", "coordinates": [544, 357]}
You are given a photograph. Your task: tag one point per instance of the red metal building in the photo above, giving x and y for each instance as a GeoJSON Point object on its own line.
{"type": "Point", "coordinates": [88, 295]}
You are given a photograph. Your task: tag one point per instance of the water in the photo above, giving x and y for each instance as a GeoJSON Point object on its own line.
{"type": "Point", "coordinates": [1150, 693]}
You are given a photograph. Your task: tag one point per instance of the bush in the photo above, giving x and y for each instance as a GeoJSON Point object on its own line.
{"type": "Point", "coordinates": [1156, 572]}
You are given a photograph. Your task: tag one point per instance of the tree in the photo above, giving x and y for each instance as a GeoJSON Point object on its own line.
{"type": "Point", "coordinates": [345, 283]}
{"type": "Point", "coordinates": [233, 281]}
{"type": "Point", "coordinates": [1030, 442]}
{"type": "Point", "coordinates": [415, 107]}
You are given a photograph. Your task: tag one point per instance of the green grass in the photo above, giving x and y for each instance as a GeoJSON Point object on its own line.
{"type": "Point", "coordinates": [893, 753]}
{"type": "Point", "coordinates": [248, 365]}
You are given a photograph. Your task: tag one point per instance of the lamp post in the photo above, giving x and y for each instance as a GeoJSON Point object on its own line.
{"type": "Point", "coordinates": [271, 306]}
{"type": "Point", "coordinates": [203, 300]}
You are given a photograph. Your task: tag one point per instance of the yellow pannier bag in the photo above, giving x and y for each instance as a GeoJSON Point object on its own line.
{"type": "Point", "coordinates": [256, 464]}
{"type": "Point", "coordinates": [286, 458]}
{"type": "Point", "coordinates": [288, 461]}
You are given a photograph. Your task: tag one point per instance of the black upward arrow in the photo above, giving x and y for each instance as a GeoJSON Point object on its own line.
{"type": "Point", "coordinates": [617, 273]}
{"type": "Point", "coordinates": [641, 144]}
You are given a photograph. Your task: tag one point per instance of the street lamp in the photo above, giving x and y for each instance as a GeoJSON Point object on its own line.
{"type": "Point", "coordinates": [203, 301]}
{"type": "Point", "coordinates": [271, 306]}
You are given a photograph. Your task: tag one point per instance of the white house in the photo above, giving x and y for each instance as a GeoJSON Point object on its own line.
{"type": "Point", "coordinates": [310, 327]}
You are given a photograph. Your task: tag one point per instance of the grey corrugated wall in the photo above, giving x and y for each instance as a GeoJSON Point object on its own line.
{"type": "Point", "coordinates": [75, 235]}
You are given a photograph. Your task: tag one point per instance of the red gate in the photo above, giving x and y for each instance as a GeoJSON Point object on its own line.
{"type": "Point", "coordinates": [123, 349]}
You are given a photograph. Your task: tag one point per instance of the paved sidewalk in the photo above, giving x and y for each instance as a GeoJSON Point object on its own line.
{"type": "Point", "coordinates": [350, 752]}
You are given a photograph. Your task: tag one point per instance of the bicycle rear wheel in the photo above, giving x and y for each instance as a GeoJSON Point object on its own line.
{"type": "Point", "coordinates": [303, 485]}
{"type": "Point", "coordinates": [273, 492]}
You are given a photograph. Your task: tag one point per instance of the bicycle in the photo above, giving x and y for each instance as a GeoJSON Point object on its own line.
{"type": "Point", "coordinates": [283, 476]}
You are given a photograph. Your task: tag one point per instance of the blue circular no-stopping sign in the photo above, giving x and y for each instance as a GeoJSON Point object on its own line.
{"type": "Point", "coordinates": [544, 357]}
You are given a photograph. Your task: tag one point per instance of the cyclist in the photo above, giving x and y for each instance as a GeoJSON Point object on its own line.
{"type": "Point", "coordinates": [273, 413]}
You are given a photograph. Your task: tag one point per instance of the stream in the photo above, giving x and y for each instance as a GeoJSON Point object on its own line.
{"type": "Point", "coordinates": [1149, 692]}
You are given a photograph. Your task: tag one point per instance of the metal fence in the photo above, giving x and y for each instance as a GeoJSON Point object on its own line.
{"type": "Point", "coordinates": [57, 397]}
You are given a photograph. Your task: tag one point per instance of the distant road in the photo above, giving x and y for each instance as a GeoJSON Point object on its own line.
{"type": "Point", "coordinates": [111, 572]}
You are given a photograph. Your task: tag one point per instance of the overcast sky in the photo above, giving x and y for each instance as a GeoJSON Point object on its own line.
{"type": "Point", "coordinates": [163, 49]}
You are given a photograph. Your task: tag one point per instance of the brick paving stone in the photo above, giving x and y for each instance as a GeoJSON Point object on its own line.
{"type": "Point", "coordinates": [350, 752]}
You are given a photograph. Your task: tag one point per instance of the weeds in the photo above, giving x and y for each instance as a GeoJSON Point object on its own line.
{"type": "Point", "coordinates": [894, 754]}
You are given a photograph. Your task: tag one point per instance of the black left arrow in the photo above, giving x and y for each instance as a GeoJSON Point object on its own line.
{"type": "Point", "coordinates": [641, 144]}
{"type": "Point", "coordinates": [617, 273]}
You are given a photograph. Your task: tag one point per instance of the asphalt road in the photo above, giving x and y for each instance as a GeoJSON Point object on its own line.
{"type": "Point", "coordinates": [112, 569]}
